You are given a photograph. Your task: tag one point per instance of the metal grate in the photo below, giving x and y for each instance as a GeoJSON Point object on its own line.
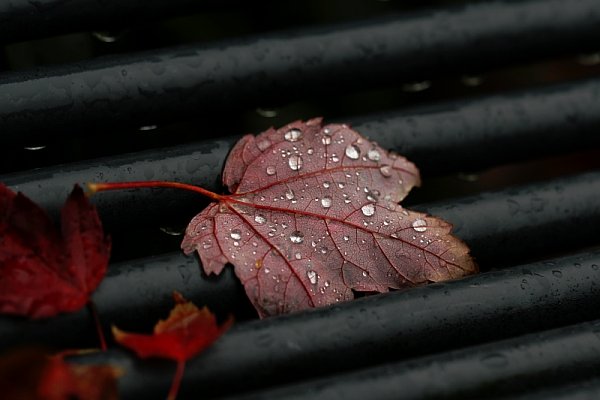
{"type": "Point", "coordinates": [513, 163]}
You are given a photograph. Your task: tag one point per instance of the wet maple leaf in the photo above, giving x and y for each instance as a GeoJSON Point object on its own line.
{"type": "Point", "coordinates": [32, 374]}
{"type": "Point", "coordinates": [43, 271]}
{"type": "Point", "coordinates": [313, 215]}
{"type": "Point", "coordinates": [186, 332]}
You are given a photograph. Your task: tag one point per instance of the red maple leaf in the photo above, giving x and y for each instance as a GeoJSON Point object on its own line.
{"type": "Point", "coordinates": [43, 271]}
{"type": "Point", "coordinates": [32, 374]}
{"type": "Point", "coordinates": [314, 215]}
{"type": "Point", "coordinates": [186, 332]}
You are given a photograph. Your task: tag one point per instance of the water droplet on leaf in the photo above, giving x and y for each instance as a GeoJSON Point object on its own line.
{"type": "Point", "coordinates": [326, 202]}
{"type": "Point", "coordinates": [297, 237]}
{"type": "Point", "coordinates": [271, 170]}
{"type": "Point", "coordinates": [236, 234]}
{"type": "Point", "coordinates": [293, 135]}
{"type": "Point", "coordinates": [368, 209]}
{"type": "Point", "coordinates": [374, 155]}
{"type": "Point", "coordinates": [419, 225]}
{"type": "Point", "coordinates": [386, 170]}
{"type": "Point", "coordinates": [312, 277]}
{"type": "Point", "coordinates": [260, 219]}
{"type": "Point", "coordinates": [295, 162]}
{"type": "Point", "coordinates": [352, 152]}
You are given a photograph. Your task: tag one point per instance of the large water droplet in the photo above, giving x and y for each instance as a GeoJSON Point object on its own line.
{"type": "Point", "coordinates": [326, 202]}
{"type": "Point", "coordinates": [295, 162]}
{"type": "Point", "coordinates": [352, 152]}
{"type": "Point", "coordinates": [374, 155]}
{"type": "Point", "coordinates": [419, 225]}
{"type": "Point", "coordinates": [293, 135]}
{"type": "Point", "coordinates": [385, 170]}
{"type": "Point", "coordinates": [236, 234]}
{"type": "Point", "coordinates": [312, 277]}
{"type": "Point", "coordinates": [297, 237]}
{"type": "Point", "coordinates": [368, 209]}
{"type": "Point", "coordinates": [260, 219]}
{"type": "Point", "coordinates": [271, 170]}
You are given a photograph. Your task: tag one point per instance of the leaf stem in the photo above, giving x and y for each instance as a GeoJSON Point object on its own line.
{"type": "Point", "coordinates": [101, 187]}
{"type": "Point", "coordinates": [176, 380]}
{"type": "Point", "coordinates": [99, 330]}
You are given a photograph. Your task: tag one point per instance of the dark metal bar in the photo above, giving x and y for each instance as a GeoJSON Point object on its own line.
{"type": "Point", "coordinates": [507, 367]}
{"type": "Point", "coordinates": [383, 328]}
{"type": "Point", "coordinates": [24, 19]}
{"type": "Point", "coordinates": [441, 139]}
{"type": "Point", "coordinates": [174, 82]}
{"type": "Point", "coordinates": [557, 216]}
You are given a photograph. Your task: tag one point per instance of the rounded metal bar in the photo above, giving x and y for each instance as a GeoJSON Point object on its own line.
{"type": "Point", "coordinates": [25, 19]}
{"type": "Point", "coordinates": [506, 367]}
{"type": "Point", "coordinates": [442, 139]}
{"type": "Point", "coordinates": [382, 328]}
{"type": "Point", "coordinates": [174, 82]}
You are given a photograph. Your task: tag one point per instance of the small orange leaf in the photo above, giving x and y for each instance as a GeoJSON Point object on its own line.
{"type": "Point", "coordinates": [187, 331]}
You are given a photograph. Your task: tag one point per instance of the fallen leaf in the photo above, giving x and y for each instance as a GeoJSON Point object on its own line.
{"type": "Point", "coordinates": [186, 332]}
{"type": "Point", "coordinates": [313, 215]}
{"type": "Point", "coordinates": [32, 374]}
{"type": "Point", "coordinates": [43, 271]}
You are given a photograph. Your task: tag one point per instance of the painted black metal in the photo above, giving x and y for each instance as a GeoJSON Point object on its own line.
{"type": "Point", "coordinates": [506, 367]}
{"type": "Point", "coordinates": [175, 82]}
{"type": "Point", "coordinates": [384, 328]}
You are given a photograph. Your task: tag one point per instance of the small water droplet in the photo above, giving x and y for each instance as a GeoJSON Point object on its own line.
{"type": "Point", "coordinates": [326, 140]}
{"type": "Point", "coordinates": [206, 245]}
{"type": "Point", "coordinates": [34, 148]}
{"type": "Point", "coordinates": [346, 238]}
{"type": "Point", "coordinates": [326, 185]}
{"type": "Point", "coordinates": [236, 244]}
{"type": "Point", "coordinates": [236, 234]}
{"type": "Point", "coordinates": [327, 283]}
{"type": "Point", "coordinates": [260, 219]}
{"type": "Point", "coordinates": [289, 194]}
{"type": "Point", "coordinates": [386, 222]}
{"type": "Point", "coordinates": [385, 170]}
{"type": "Point", "coordinates": [368, 209]}
{"type": "Point", "coordinates": [324, 250]}
{"type": "Point", "coordinates": [271, 170]}
{"type": "Point", "coordinates": [326, 202]}
{"type": "Point", "coordinates": [310, 151]}
{"type": "Point", "coordinates": [267, 270]}
{"type": "Point", "coordinates": [297, 237]}
{"type": "Point", "coordinates": [295, 162]}
{"type": "Point", "coordinates": [312, 277]}
{"type": "Point", "coordinates": [266, 112]}
{"type": "Point", "coordinates": [341, 185]}
{"type": "Point", "coordinates": [298, 256]}
{"type": "Point", "coordinates": [557, 274]}
{"type": "Point", "coordinates": [293, 135]}
{"type": "Point", "coordinates": [352, 152]}
{"type": "Point", "coordinates": [334, 158]}
{"type": "Point", "coordinates": [372, 195]}
{"type": "Point", "coordinates": [374, 155]}
{"type": "Point", "coordinates": [365, 274]}
{"type": "Point", "coordinates": [415, 87]}
{"type": "Point", "coordinates": [419, 225]}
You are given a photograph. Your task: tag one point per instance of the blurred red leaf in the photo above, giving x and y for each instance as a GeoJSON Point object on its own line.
{"type": "Point", "coordinates": [28, 374]}
{"type": "Point", "coordinates": [43, 271]}
{"type": "Point", "coordinates": [186, 332]}
{"type": "Point", "coordinates": [314, 214]}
